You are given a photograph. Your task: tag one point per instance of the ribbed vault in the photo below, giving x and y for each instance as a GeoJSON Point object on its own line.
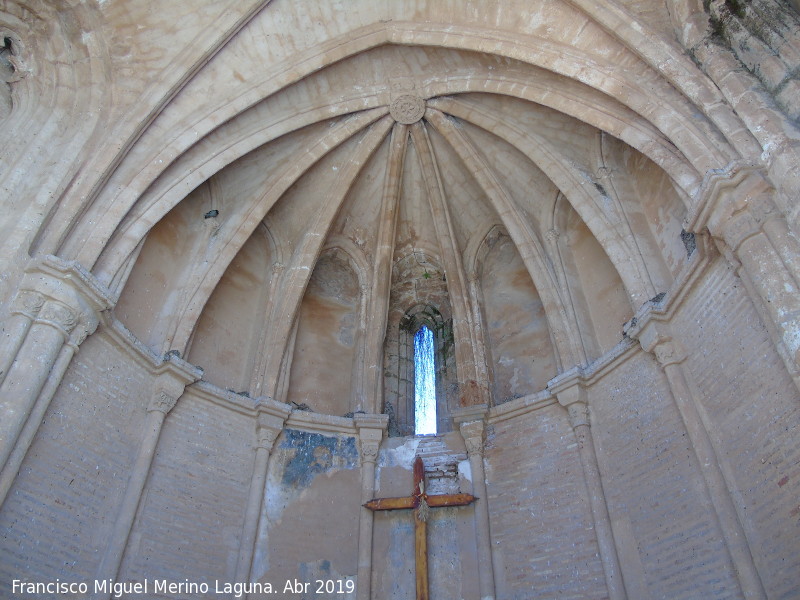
{"type": "Point", "coordinates": [320, 190]}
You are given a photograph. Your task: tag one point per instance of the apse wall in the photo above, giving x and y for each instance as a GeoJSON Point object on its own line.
{"type": "Point", "coordinates": [750, 407]}
{"type": "Point", "coordinates": [541, 521]}
{"type": "Point", "coordinates": [190, 517]}
{"type": "Point", "coordinates": [669, 540]}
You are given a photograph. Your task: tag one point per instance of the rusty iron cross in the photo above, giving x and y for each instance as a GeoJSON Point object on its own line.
{"type": "Point", "coordinates": [421, 502]}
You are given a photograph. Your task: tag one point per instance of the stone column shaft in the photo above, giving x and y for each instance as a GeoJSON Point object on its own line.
{"type": "Point", "coordinates": [30, 370]}
{"type": "Point", "coordinates": [718, 490]}
{"type": "Point", "coordinates": [252, 512]}
{"type": "Point", "coordinates": [118, 540]}
{"type": "Point", "coordinates": [271, 416]}
{"type": "Point", "coordinates": [378, 306]}
{"type": "Point", "coordinates": [579, 418]}
{"type": "Point", "coordinates": [474, 431]}
{"type": "Point", "coordinates": [9, 471]}
{"type": "Point", "coordinates": [371, 429]}
{"type": "Point", "coordinates": [571, 393]}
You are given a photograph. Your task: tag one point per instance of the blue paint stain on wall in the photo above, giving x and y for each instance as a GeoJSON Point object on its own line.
{"type": "Point", "coordinates": [316, 454]}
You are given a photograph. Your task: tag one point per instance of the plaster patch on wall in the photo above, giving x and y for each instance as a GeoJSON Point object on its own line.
{"type": "Point", "coordinates": [401, 456]}
{"type": "Point", "coordinates": [465, 470]}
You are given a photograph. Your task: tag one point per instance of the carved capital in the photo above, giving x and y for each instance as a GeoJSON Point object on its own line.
{"type": "Point", "coordinates": [64, 295]}
{"type": "Point", "coordinates": [27, 303]}
{"type": "Point", "coordinates": [162, 402]}
{"type": "Point", "coordinates": [266, 436]}
{"type": "Point", "coordinates": [474, 445]}
{"type": "Point", "coordinates": [570, 390]}
{"type": "Point", "coordinates": [59, 316]}
{"type": "Point", "coordinates": [369, 450]}
{"type": "Point", "coordinates": [578, 414]}
{"type": "Point", "coordinates": [552, 235]}
{"type": "Point", "coordinates": [79, 334]}
{"type": "Point", "coordinates": [371, 429]}
{"type": "Point", "coordinates": [474, 434]}
{"type": "Point", "coordinates": [668, 352]}
{"type": "Point", "coordinates": [270, 417]}
{"type": "Point", "coordinates": [655, 337]}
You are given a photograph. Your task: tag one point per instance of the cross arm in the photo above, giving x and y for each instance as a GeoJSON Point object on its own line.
{"type": "Point", "coordinates": [450, 500]}
{"type": "Point", "coordinates": [390, 503]}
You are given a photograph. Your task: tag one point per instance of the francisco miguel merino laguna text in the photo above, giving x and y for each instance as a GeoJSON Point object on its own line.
{"type": "Point", "coordinates": [238, 589]}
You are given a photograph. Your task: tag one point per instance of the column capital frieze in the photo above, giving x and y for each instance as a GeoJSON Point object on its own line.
{"type": "Point", "coordinates": [28, 303]}
{"type": "Point", "coordinates": [61, 316]}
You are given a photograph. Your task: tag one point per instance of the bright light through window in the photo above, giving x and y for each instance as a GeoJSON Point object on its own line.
{"type": "Point", "coordinates": [424, 383]}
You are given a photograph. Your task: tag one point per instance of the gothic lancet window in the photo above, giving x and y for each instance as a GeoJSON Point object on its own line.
{"type": "Point", "coordinates": [424, 383]}
{"type": "Point", "coordinates": [420, 382]}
